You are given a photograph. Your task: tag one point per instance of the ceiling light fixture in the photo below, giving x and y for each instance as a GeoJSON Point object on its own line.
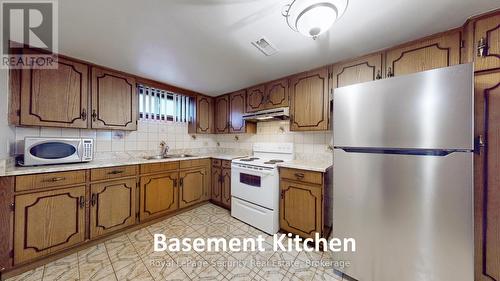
{"type": "Point", "coordinates": [311, 18]}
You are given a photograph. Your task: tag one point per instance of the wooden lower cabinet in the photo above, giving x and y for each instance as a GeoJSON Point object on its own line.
{"type": "Point", "coordinates": [221, 183]}
{"type": "Point", "coordinates": [300, 208]}
{"type": "Point", "coordinates": [158, 195]}
{"type": "Point", "coordinates": [226, 188]}
{"type": "Point", "coordinates": [192, 186]}
{"type": "Point", "coordinates": [216, 184]}
{"type": "Point", "coordinates": [112, 206]}
{"type": "Point", "coordinates": [47, 222]}
{"type": "Point", "coordinates": [305, 202]}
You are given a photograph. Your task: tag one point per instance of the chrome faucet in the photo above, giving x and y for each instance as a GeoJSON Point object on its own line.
{"type": "Point", "coordinates": [164, 148]}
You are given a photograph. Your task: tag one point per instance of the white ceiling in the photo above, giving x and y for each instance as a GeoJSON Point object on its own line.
{"type": "Point", "coordinates": [204, 45]}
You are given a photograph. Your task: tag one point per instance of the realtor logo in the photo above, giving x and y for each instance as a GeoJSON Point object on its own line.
{"type": "Point", "coordinates": [29, 34]}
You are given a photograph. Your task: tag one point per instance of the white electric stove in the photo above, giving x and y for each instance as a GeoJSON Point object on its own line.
{"type": "Point", "coordinates": [255, 185]}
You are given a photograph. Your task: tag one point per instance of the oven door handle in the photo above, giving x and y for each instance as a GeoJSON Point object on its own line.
{"type": "Point", "coordinates": [261, 172]}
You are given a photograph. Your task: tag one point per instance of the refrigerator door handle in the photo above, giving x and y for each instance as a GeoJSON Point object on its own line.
{"type": "Point", "coordinates": [400, 151]}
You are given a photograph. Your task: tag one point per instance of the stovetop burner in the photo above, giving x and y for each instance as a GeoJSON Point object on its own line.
{"type": "Point", "coordinates": [249, 159]}
{"type": "Point", "coordinates": [273, 161]}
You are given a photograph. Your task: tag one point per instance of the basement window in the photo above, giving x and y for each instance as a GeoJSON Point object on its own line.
{"type": "Point", "coordinates": [157, 104]}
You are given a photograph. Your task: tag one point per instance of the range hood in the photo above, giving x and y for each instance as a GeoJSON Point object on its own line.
{"type": "Point", "coordinates": [281, 113]}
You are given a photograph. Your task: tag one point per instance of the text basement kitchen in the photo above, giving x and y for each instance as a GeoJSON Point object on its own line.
{"type": "Point", "coordinates": [280, 242]}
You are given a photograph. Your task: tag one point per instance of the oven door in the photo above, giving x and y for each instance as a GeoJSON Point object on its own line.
{"type": "Point", "coordinates": [52, 151]}
{"type": "Point", "coordinates": [260, 187]}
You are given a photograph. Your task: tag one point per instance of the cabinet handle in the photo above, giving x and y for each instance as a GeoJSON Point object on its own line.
{"type": "Point", "coordinates": [175, 182]}
{"type": "Point", "coordinates": [299, 175]}
{"type": "Point", "coordinates": [482, 47]}
{"type": "Point", "coordinates": [282, 193]}
{"type": "Point", "coordinates": [93, 199]}
{"type": "Point", "coordinates": [82, 202]}
{"type": "Point", "coordinates": [56, 179]}
{"type": "Point", "coordinates": [181, 182]}
{"type": "Point", "coordinates": [115, 172]}
{"type": "Point", "coordinates": [84, 114]}
{"type": "Point", "coordinates": [390, 73]}
{"type": "Point", "coordinates": [379, 75]}
{"type": "Point", "coordinates": [94, 115]}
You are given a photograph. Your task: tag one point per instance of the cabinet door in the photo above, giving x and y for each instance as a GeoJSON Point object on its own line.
{"type": "Point", "coordinates": [191, 185]}
{"type": "Point", "coordinates": [112, 206]}
{"type": "Point", "coordinates": [226, 187]}
{"type": "Point", "coordinates": [47, 222]}
{"type": "Point", "coordinates": [487, 42]}
{"type": "Point", "coordinates": [426, 54]}
{"type": "Point", "coordinates": [309, 101]}
{"type": "Point", "coordinates": [277, 94]}
{"type": "Point", "coordinates": [487, 178]}
{"type": "Point", "coordinates": [360, 70]}
{"type": "Point", "coordinates": [64, 88]}
{"type": "Point", "coordinates": [114, 100]}
{"type": "Point", "coordinates": [204, 116]}
{"type": "Point", "coordinates": [300, 208]}
{"type": "Point", "coordinates": [255, 98]}
{"type": "Point", "coordinates": [216, 184]}
{"type": "Point", "coordinates": [236, 110]}
{"type": "Point", "coordinates": [222, 114]}
{"type": "Point", "coordinates": [159, 195]}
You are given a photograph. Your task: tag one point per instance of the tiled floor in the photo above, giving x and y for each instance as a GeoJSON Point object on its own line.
{"type": "Point", "coordinates": [131, 256]}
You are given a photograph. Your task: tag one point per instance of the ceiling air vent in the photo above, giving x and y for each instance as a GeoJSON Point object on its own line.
{"type": "Point", "coordinates": [265, 46]}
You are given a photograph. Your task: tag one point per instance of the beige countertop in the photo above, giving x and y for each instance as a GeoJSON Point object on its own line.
{"type": "Point", "coordinates": [309, 165]}
{"type": "Point", "coordinates": [101, 163]}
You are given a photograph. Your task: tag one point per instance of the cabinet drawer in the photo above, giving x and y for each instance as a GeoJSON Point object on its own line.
{"type": "Point", "coordinates": [216, 162]}
{"type": "Point", "coordinates": [30, 182]}
{"type": "Point", "coordinates": [301, 175]}
{"type": "Point", "coordinates": [112, 173]}
{"type": "Point", "coordinates": [159, 167]}
{"type": "Point", "coordinates": [226, 164]}
{"type": "Point", "coordinates": [194, 163]}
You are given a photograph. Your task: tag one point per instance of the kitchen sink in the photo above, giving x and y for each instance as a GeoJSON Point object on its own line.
{"type": "Point", "coordinates": [171, 156]}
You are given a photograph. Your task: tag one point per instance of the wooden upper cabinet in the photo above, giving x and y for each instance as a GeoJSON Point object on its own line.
{"type": "Point", "coordinates": [158, 195]}
{"type": "Point", "coordinates": [47, 222]}
{"type": "Point", "coordinates": [255, 98]}
{"type": "Point", "coordinates": [222, 114]}
{"type": "Point", "coordinates": [267, 96]}
{"type": "Point", "coordinates": [64, 88]}
{"type": "Point", "coordinates": [112, 206]}
{"type": "Point", "coordinates": [205, 115]}
{"type": "Point", "coordinates": [487, 42]}
{"type": "Point", "coordinates": [191, 186]}
{"type": "Point", "coordinates": [300, 208]}
{"type": "Point", "coordinates": [355, 71]}
{"type": "Point", "coordinates": [439, 51]}
{"type": "Point", "coordinates": [276, 94]}
{"type": "Point", "coordinates": [309, 101]}
{"type": "Point", "coordinates": [114, 100]}
{"type": "Point", "coordinates": [236, 110]}
{"type": "Point", "coordinates": [486, 177]}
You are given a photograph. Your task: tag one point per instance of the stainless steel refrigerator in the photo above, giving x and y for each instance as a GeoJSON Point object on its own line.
{"type": "Point", "coordinates": [403, 176]}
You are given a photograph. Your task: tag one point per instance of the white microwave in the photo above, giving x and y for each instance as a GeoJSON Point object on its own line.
{"type": "Point", "coordinates": [48, 151]}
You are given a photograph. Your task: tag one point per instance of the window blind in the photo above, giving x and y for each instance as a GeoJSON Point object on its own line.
{"type": "Point", "coordinates": [157, 104]}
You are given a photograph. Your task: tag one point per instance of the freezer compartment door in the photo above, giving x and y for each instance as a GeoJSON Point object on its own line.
{"type": "Point", "coordinates": [426, 110]}
{"type": "Point", "coordinates": [411, 216]}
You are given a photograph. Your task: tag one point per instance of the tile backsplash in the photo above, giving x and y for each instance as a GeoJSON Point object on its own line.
{"type": "Point", "coordinates": [308, 145]}
{"type": "Point", "coordinates": [148, 136]}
